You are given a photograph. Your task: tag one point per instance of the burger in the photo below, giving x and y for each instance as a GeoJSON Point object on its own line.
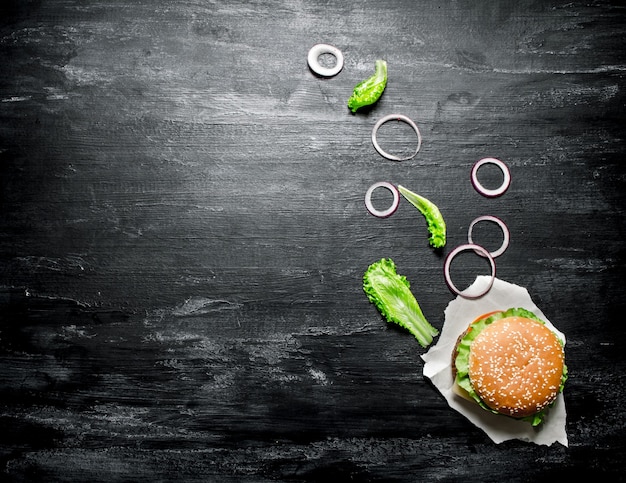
{"type": "Point", "coordinates": [510, 363]}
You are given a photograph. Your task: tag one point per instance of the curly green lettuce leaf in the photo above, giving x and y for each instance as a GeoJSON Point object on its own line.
{"type": "Point", "coordinates": [461, 360]}
{"type": "Point", "coordinates": [391, 295]}
{"type": "Point", "coordinates": [434, 218]}
{"type": "Point", "coordinates": [369, 91]}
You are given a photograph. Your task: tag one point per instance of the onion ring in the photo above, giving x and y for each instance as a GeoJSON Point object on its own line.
{"type": "Point", "coordinates": [314, 64]}
{"type": "Point", "coordinates": [503, 227]}
{"type": "Point", "coordinates": [505, 182]}
{"type": "Point", "coordinates": [454, 253]}
{"type": "Point", "coordinates": [397, 117]}
{"type": "Point", "coordinates": [394, 205]}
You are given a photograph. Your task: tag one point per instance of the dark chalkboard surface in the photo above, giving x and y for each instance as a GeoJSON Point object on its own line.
{"type": "Point", "coordinates": [183, 233]}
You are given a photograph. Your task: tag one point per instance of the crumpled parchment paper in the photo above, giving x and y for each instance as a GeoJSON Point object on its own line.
{"type": "Point", "coordinates": [438, 360]}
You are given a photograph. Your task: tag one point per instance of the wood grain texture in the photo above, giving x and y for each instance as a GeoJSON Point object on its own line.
{"type": "Point", "coordinates": [183, 235]}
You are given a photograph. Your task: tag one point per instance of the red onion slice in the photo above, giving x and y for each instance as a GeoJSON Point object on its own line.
{"type": "Point", "coordinates": [314, 64]}
{"type": "Point", "coordinates": [394, 205]}
{"type": "Point", "coordinates": [503, 227]}
{"type": "Point", "coordinates": [505, 182]}
{"type": "Point", "coordinates": [446, 270]}
{"type": "Point", "coordinates": [395, 117]}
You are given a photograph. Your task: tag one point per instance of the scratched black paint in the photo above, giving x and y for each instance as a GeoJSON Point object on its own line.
{"type": "Point", "coordinates": [183, 235]}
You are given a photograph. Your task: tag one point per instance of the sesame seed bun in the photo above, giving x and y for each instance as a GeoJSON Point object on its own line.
{"type": "Point", "coordinates": [516, 365]}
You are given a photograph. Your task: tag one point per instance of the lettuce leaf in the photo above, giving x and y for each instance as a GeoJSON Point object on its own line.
{"type": "Point", "coordinates": [434, 219]}
{"type": "Point", "coordinates": [391, 295]}
{"type": "Point", "coordinates": [369, 91]}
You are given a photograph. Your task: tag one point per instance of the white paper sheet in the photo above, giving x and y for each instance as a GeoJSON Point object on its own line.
{"type": "Point", "coordinates": [438, 360]}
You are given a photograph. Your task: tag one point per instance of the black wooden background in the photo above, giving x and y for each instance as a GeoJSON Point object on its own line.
{"type": "Point", "coordinates": [183, 234]}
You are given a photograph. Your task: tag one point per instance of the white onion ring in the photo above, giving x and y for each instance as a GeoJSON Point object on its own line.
{"type": "Point", "coordinates": [314, 64]}
{"type": "Point", "coordinates": [503, 227]}
{"type": "Point", "coordinates": [397, 117]}
{"type": "Point", "coordinates": [454, 253]}
{"type": "Point", "coordinates": [505, 182]}
{"type": "Point", "coordinates": [394, 205]}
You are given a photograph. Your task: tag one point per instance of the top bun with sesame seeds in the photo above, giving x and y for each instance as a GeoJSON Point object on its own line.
{"type": "Point", "coordinates": [511, 363]}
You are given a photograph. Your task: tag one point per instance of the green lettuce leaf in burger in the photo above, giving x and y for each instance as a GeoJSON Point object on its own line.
{"type": "Point", "coordinates": [510, 363]}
